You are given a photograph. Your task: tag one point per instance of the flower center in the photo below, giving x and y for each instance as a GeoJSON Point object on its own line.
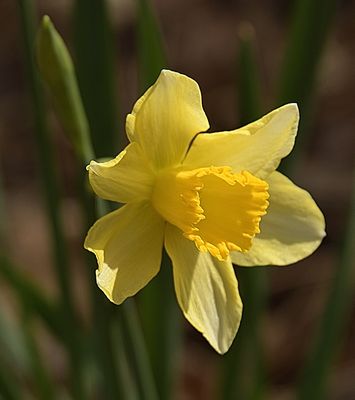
{"type": "Point", "coordinates": [217, 209]}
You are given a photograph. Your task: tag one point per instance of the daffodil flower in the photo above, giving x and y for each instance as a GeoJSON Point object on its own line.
{"type": "Point", "coordinates": [210, 198]}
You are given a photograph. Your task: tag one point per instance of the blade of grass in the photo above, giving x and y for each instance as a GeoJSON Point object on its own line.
{"type": "Point", "coordinates": [94, 50]}
{"type": "Point", "coordinates": [244, 374]}
{"type": "Point", "coordinates": [311, 23]}
{"type": "Point", "coordinates": [51, 193]}
{"type": "Point", "coordinates": [313, 385]}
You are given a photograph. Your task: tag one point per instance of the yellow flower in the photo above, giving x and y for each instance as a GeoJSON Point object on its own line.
{"type": "Point", "coordinates": [205, 197]}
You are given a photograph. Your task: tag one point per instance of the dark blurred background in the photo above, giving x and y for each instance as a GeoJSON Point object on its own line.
{"type": "Point", "coordinates": [201, 40]}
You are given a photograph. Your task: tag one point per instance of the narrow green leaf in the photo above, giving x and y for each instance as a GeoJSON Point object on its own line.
{"type": "Point", "coordinates": [311, 23]}
{"type": "Point", "coordinates": [104, 312]}
{"type": "Point", "coordinates": [93, 42]}
{"type": "Point", "coordinates": [28, 293]}
{"type": "Point", "coordinates": [9, 387]}
{"type": "Point", "coordinates": [249, 102]}
{"type": "Point", "coordinates": [3, 221]}
{"type": "Point", "coordinates": [151, 55]}
{"type": "Point", "coordinates": [49, 177]}
{"type": "Point", "coordinates": [57, 70]}
{"type": "Point", "coordinates": [313, 385]}
{"type": "Point", "coordinates": [44, 384]}
{"type": "Point", "coordinates": [12, 346]}
{"type": "Point", "coordinates": [45, 153]}
{"type": "Point", "coordinates": [129, 389]}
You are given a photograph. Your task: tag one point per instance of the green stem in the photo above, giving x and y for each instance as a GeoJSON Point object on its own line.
{"type": "Point", "coordinates": [51, 193]}
{"type": "Point", "coordinates": [58, 71]}
{"type": "Point", "coordinates": [62, 82]}
{"type": "Point", "coordinates": [96, 74]}
{"type": "Point", "coordinates": [244, 372]}
{"type": "Point", "coordinates": [137, 352]}
{"type": "Point", "coordinates": [160, 325]}
{"type": "Point", "coordinates": [129, 389]}
{"type": "Point", "coordinates": [45, 153]}
{"type": "Point", "coordinates": [133, 336]}
{"type": "Point", "coordinates": [313, 385]}
{"type": "Point", "coordinates": [111, 379]}
{"type": "Point", "coordinates": [151, 53]}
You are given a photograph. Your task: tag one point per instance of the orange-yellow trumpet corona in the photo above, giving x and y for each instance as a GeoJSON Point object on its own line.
{"type": "Point", "coordinates": [210, 198]}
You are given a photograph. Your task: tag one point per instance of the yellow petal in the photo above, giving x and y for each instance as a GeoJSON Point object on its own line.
{"type": "Point", "coordinates": [167, 117]}
{"type": "Point", "coordinates": [291, 230]}
{"type": "Point", "coordinates": [257, 147]}
{"type": "Point", "coordinates": [127, 177]}
{"type": "Point", "coordinates": [131, 118]}
{"type": "Point", "coordinates": [206, 289]}
{"type": "Point", "coordinates": [128, 246]}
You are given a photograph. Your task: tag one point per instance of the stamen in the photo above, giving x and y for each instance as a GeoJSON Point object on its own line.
{"type": "Point", "coordinates": [217, 209]}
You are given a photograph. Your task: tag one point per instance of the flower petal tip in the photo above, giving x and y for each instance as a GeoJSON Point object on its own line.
{"type": "Point", "coordinates": [293, 108]}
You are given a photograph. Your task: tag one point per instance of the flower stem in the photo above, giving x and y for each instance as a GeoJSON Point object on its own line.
{"type": "Point", "coordinates": [161, 325]}
{"type": "Point", "coordinates": [45, 152]}
{"type": "Point", "coordinates": [151, 53]}
{"type": "Point", "coordinates": [244, 373]}
{"type": "Point", "coordinates": [133, 337]}
{"type": "Point", "coordinates": [93, 44]}
{"type": "Point", "coordinates": [137, 351]}
{"type": "Point", "coordinates": [111, 380]}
